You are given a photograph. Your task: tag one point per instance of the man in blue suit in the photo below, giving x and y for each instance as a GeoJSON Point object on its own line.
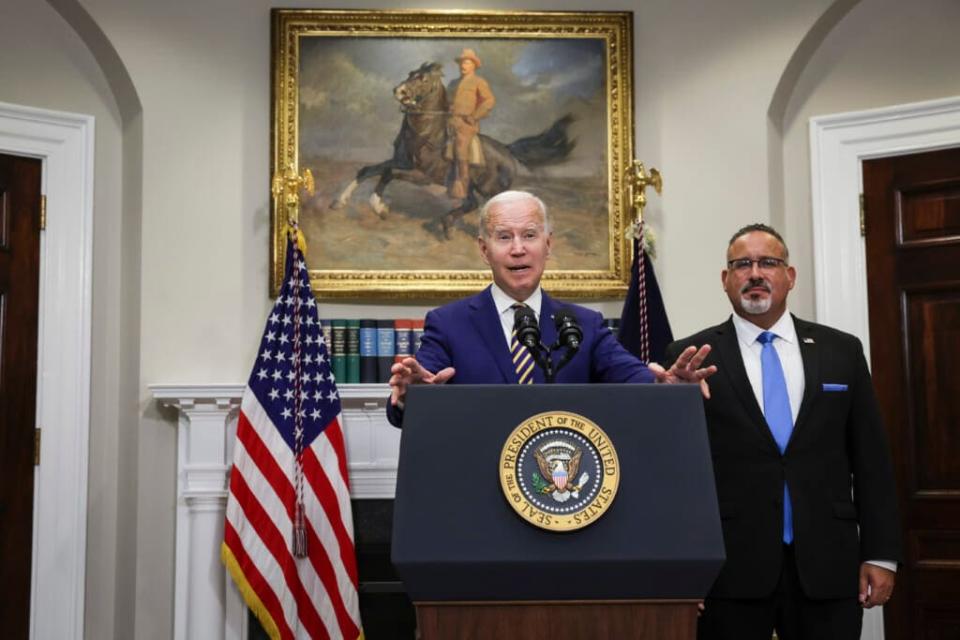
{"type": "Point", "coordinates": [469, 341]}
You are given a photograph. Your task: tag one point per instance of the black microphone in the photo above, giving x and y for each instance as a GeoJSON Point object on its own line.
{"type": "Point", "coordinates": [527, 328]}
{"type": "Point", "coordinates": [569, 333]}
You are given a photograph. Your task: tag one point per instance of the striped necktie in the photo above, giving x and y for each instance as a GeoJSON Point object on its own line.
{"type": "Point", "coordinates": [776, 409]}
{"type": "Point", "coordinates": [522, 360]}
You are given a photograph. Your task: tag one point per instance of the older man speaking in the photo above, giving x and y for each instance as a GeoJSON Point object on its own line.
{"type": "Point", "coordinates": [471, 341]}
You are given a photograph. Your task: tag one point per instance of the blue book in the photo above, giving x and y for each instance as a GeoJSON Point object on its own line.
{"type": "Point", "coordinates": [386, 349]}
{"type": "Point", "coordinates": [368, 351]}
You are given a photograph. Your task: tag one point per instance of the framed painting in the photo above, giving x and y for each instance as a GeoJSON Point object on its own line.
{"type": "Point", "coordinates": [372, 104]}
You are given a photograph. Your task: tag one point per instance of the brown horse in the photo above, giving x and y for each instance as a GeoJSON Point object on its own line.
{"type": "Point", "coordinates": [418, 150]}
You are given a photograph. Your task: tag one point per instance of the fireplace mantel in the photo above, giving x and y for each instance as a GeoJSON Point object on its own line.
{"type": "Point", "coordinates": [206, 604]}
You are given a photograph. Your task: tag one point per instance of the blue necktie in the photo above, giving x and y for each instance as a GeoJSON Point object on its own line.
{"type": "Point", "coordinates": [776, 409]}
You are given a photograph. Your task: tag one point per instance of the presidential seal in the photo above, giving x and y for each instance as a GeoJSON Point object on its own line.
{"type": "Point", "coordinates": [559, 471]}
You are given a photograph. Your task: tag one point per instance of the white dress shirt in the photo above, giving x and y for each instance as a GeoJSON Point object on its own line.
{"type": "Point", "coordinates": [503, 302]}
{"type": "Point", "coordinates": [788, 350]}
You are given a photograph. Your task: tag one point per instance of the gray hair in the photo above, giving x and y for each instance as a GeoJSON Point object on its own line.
{"type": "Point", "coordinates": [763, 228]}
{"type": "Point", "coordinates": [508, 197]}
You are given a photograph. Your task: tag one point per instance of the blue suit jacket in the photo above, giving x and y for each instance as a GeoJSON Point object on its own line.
{"type": "Point", "coordinates": [467, 335]}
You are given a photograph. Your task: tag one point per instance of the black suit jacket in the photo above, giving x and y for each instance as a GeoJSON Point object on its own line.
{"type": "Point", "coordinates": [837, 466]}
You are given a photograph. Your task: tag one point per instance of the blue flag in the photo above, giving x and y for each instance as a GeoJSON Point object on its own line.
{"type": "Point", "coordinates": [644, 328]}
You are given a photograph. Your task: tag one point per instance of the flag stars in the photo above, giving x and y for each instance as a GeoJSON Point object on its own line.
{"type": "Point", "coordinates": [291, 376]}
{"type": "Point", "coordinates": [333, 395]}
{"type": "Point", "coordinates": [262, 374]}
{"type": "Point", "coordinates": [288, 394]}
{"type": "Point", "coordinates": [284, 339]}
{"type": "Point", "coordinates": [271, 336]}
{"type": "Point", "coordinates": [285, 320]}
{"type": "Point", "coordinates": [266, 355]}
{"type": "Point", "coordinates": [276, 374]}
{"type": "Point", "coordinates": [286, 413]}
{"type": "Point", "coordinates": [274, 318]}
{"type": "Point", "coordinates": [274, 394]}
{"type": "Point", "coordinates": [315, 414]}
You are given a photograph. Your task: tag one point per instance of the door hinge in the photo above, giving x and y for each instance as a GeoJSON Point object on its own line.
{"type": "Point", "coordinates": [863, 218]}
{"type": "Point", "coordinates": [43, 213]}
{"type": "Point", "coordinates": [36, 447]}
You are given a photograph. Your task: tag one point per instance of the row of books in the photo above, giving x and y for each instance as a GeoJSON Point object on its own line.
{"type": "Point", "coordinates": [362, 351]}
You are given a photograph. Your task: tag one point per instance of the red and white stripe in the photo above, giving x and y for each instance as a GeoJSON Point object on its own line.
{"type": "Point", "coordinates": [312, 597]}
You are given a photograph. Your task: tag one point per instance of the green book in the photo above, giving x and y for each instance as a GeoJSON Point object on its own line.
{"type": "Point", "coordinates": [338, 349]}
{"type": "Point", "coordinates": [353, 352]}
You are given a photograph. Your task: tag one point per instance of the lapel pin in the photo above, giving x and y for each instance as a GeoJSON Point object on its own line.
{"type": "Point", "coordinates": [808, 341]}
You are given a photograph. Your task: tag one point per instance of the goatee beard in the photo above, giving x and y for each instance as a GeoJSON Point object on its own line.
{"type": "Point", "coordinates": [755, 307]}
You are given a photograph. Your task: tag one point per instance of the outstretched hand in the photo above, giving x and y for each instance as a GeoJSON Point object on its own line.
{"type": "Point", "coordinates": [687, 369]}
{"type": "Point", "coordinates": [408, 371]}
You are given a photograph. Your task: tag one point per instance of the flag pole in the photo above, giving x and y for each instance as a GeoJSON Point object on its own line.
{"type": "Point", "coordinates": [286, 189]}
{"type": "Point", "coordinates": [638, 180]}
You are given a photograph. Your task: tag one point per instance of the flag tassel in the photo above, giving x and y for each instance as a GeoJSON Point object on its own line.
{"type": "Point", "coordinates": [299, 532]}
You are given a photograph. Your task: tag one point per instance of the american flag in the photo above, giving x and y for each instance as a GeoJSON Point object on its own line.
{"type": "Point", "coordinates": [288, 539]}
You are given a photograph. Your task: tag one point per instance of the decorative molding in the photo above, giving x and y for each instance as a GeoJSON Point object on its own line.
{"type": "Point", "coordinates": [206, 604]}
{"type": "Point", "coordinates": [838, 145]}
{"type": "Point", "coordinates": [65, 144]}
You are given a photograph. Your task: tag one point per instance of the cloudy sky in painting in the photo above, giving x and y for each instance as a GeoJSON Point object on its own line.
{"type": "Point", "coordinates": [347, 109]}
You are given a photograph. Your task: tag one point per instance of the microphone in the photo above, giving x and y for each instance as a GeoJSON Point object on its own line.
{"type": "Point", "coordinates": [527, 328]}
{"type": "Point", "coordinates": [569, 333]}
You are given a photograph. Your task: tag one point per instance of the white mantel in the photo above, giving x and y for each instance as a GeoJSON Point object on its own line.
{"type": "Point", "coordinates": [204, 605]}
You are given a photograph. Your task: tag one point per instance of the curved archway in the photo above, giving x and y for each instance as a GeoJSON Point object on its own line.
{"type": "Point", "coordinates": [123, 476]}
{"type": "Point", "coordinates": [784, 90]}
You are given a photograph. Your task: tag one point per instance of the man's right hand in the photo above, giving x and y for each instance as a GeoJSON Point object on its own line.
{"type": "Point", "coordinates": [408, 371]}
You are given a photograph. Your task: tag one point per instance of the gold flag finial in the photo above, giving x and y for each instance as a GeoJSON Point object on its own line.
{"type": "Point", "coordinates": [638, 180]}
{"type": "Point", "coordinates": [286, 189]}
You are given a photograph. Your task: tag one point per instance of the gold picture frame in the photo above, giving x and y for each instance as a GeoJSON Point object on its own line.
{"type": "Point", "coordinates": [338, 107]}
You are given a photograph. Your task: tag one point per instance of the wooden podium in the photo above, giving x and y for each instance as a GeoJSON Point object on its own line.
{"type": "Point", "coordinates": [475, 569]}
{"type": "Point", "coordinates": [563, 620]}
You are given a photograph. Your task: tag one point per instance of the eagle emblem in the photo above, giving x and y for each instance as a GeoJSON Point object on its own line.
{"type": "Point", "coordinates": [558, 462]}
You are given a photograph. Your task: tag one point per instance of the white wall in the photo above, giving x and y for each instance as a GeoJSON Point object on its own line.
{"type": "Point", "coordinates": [882, 53]}
{"type": "Point", "coordinates": [705, 77]}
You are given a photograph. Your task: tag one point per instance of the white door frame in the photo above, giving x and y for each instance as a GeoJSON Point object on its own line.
{"type": "Point", "coordinates": [65, 144]}
{"type": "Point", "coordinates": [838, 145]}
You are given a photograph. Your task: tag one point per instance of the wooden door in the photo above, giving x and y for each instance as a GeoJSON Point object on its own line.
{"type": "Point", "coordinates": [912, 223]}
{"type": "Point", "coordinates": [19, 300]}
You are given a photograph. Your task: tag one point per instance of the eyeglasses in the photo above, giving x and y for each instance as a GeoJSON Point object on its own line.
{"type": "Point", "coordinates": [765, 263]}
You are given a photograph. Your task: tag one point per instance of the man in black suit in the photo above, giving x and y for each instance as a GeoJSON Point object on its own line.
{"type": "Point", "coordinates": [803, 471]}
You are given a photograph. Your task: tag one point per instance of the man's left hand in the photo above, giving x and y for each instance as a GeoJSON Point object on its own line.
{"type": "Point", "coordinates": [687, 369]}
{"type": "Point", "coordinates": [876, 585]}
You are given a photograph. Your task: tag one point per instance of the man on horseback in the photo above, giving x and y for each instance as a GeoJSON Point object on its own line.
{"type": "Point", "coordinates": [470, 100]}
